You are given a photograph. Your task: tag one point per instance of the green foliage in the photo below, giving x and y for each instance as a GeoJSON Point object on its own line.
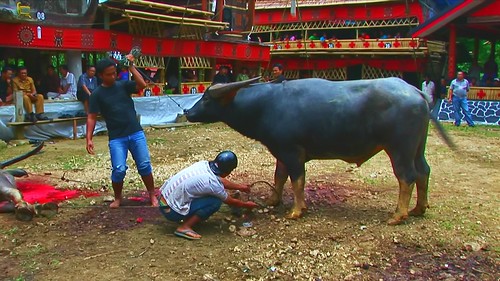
{"type": "Point", "coordinates": [483, 53]}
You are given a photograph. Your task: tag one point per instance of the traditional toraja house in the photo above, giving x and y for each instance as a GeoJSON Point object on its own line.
{"type": "Point", "coordinates": [180, 37]}
{"type": "Point", "coordinates": [339, 40]}
{"type": "Point", "coordinates": [195, 39]}
{"type": "Point", "coordinates": [478, 19]}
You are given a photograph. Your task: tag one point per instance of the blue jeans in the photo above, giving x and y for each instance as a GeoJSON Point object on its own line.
{"type": "Point", "coordinates": [461, 104]}
{"type": "Point", "coordinates": [119, 148]}
{"type": "Point", "coordinates": [202, 207]}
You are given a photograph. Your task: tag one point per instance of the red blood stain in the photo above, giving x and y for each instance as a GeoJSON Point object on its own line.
{"type": "Point", "coordinates": [39, 192]}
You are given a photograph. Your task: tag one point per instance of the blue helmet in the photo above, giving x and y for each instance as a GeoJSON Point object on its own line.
{"type": "Point", "coordinates": [224, 163]}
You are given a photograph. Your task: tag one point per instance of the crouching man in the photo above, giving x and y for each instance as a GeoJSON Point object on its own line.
{"type": "Point", "coordinates": [197, 192]}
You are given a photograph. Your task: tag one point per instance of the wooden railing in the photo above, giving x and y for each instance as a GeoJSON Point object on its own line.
{"type": "Point", "coordinates": [484, 93]}
{"type": "Point", "coordinates": [194, 87]}
{"type": "Point", "coordinates": [393, 45]}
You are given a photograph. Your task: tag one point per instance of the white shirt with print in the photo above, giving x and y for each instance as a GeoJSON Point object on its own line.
{"type": "Point", "coordinates": [193, 182]}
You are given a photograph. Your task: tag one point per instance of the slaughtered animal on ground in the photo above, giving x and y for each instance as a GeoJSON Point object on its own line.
{"type": "Point", "coordinates": [11, 199]}
{"type": "Point", "coordinates": [12, 196]}
{"type": "Point", "coordinates": [310, 119]}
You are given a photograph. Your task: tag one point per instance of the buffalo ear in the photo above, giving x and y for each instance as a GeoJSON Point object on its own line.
{"type": "Point", "coordinates": [221, 90]}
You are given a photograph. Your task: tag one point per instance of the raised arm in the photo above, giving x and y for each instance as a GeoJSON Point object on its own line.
{"type": "Point", "coordinates": [139, 80]}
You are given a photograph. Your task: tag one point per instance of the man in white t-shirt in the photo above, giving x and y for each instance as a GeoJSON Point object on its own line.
{"type": "Point", "coordinates": [429, 88]}
{"type": "Point", "coordinates": [68, 87]}
{"type": "Point", "coordinates": [195, 193]}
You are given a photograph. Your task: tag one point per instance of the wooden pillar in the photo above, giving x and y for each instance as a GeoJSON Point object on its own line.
{"type": "Point", "coordinates": [220, 9]}
{"type": "Point", "coordinates": [204, 5]}
{"type": "Point", "coordinates": [452, 52]}
{"type": "Point", "coordinates": [251, 14]}
{"type": "Point", "coordinates": [492, 50]}
{"type": "Point", "coordinates": [475, 52]}
{"type": "Point", "coordinates": [106, 19]}
{"type": "Point", "coordinates": [19, 114]}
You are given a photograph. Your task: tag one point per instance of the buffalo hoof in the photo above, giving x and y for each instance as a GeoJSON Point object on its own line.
{"type": "Point", "coordinates": [273, 201]}
{"type": "Point", "coordinates": [417, 212]}
{"type": "Point", "coordinates": [294, 214]}
{"type": "Point", "coordinates": [397, 220]}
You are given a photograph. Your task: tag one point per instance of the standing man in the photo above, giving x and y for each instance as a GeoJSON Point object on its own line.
{"type": "Point", "coordinates": [458, 96]}
{"type": "Point", "coordinates": [6, 86]}
{"type": "Point", "coordinates": [197, 192]}
{"type": "Point", "coordinates": [429, 89]}
{"type": "Point", "coordinates": [68, 84]}
{"type": "Point", "coordinates": [25, 84]}
{"type": "Point", "coordinates": [87, 83]}
{"type": "Point", "coordinates": [113, 100]}
{"type": "Point", "coordinates": [278, 73]}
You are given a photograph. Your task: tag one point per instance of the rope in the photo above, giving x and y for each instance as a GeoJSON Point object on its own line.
{"type": "Point", "coordinates": [257, 200]}
{"type": "Point", "coordinates": [266, 183]}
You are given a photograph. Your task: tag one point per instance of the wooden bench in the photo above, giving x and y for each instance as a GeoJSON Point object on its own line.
{"type": "Point", "coordinates": [18, 132]}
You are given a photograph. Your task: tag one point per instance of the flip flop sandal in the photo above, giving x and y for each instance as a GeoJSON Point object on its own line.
{"type": "Point", "coordinates": [185, 234]}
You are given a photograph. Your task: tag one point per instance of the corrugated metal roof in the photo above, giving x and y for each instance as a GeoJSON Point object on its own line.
{"type": "Point", "coordinates": [276, 4]}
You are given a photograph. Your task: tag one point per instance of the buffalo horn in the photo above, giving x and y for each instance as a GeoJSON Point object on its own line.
{"type": "Point", "coordinates": [219, 90]}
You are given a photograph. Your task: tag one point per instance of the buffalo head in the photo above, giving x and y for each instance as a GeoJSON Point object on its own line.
{"type": "Point", "coordinates": [208, 109]}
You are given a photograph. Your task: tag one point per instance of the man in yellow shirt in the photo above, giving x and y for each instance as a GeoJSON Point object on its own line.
{"type": "Point", "coordinates": [25, 84]}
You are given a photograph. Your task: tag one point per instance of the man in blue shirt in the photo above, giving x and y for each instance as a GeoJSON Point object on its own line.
{"type": "Point", "coordinates": [87, 83]}
{"type": "Point", "coordinates": [458, 96]}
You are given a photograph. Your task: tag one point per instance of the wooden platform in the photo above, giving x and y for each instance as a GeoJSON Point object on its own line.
{"type": "Point", "coordinates": [42, 122]}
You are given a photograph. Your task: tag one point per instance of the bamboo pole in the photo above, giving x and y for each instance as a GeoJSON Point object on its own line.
{"type": "Point", "coordinates": [172, 17]}
{"type": "Point", "coordinates": [171, 21]}
{"type": "Point", "coordinates": [169, 7]}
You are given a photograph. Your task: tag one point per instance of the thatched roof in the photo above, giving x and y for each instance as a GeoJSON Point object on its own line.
{"type": "Point", "coordinates": [276, 4]}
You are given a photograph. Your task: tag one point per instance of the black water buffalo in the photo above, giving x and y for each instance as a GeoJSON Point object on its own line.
{"type": "Point", "coordinates": [318, 119]}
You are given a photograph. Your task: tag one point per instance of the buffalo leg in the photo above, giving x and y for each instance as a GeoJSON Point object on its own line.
{"type": "Point", "coordinates": [280, 177]}
{"type": "Point", "coordinates": [423, 172]}
{"type": "Point", "coordinates": [405, 171]}
{"type": "Point", "coordinates": [299, 202]}
{"type": "Point", "coordinates": [401, 213]}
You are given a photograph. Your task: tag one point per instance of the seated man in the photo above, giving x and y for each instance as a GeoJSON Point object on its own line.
{"type": "Point", "coordinates": [50, 83]}
{"type": "Point", "coordinates": [197, 192]}
{"type": "Point", "coordinates": [25, 84]}
{"type": "Point", "coordinates": [68, 87]}
{"type": "Point", "coordinates": [6, 86]}
{"type": "Point", "coordinates": [87, 83]}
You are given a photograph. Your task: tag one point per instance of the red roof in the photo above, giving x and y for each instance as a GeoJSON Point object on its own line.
{"type": "Point", "coordinates": [472, 10]}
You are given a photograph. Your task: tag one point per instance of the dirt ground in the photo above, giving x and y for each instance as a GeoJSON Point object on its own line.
{"type": "Point", "coordinates": [343, 236]}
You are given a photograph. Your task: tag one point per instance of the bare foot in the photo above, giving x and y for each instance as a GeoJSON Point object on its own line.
{"type": "Point", "coordinates": [154, 201]}
{"type": "Point", "coordinates": [115, 204]}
